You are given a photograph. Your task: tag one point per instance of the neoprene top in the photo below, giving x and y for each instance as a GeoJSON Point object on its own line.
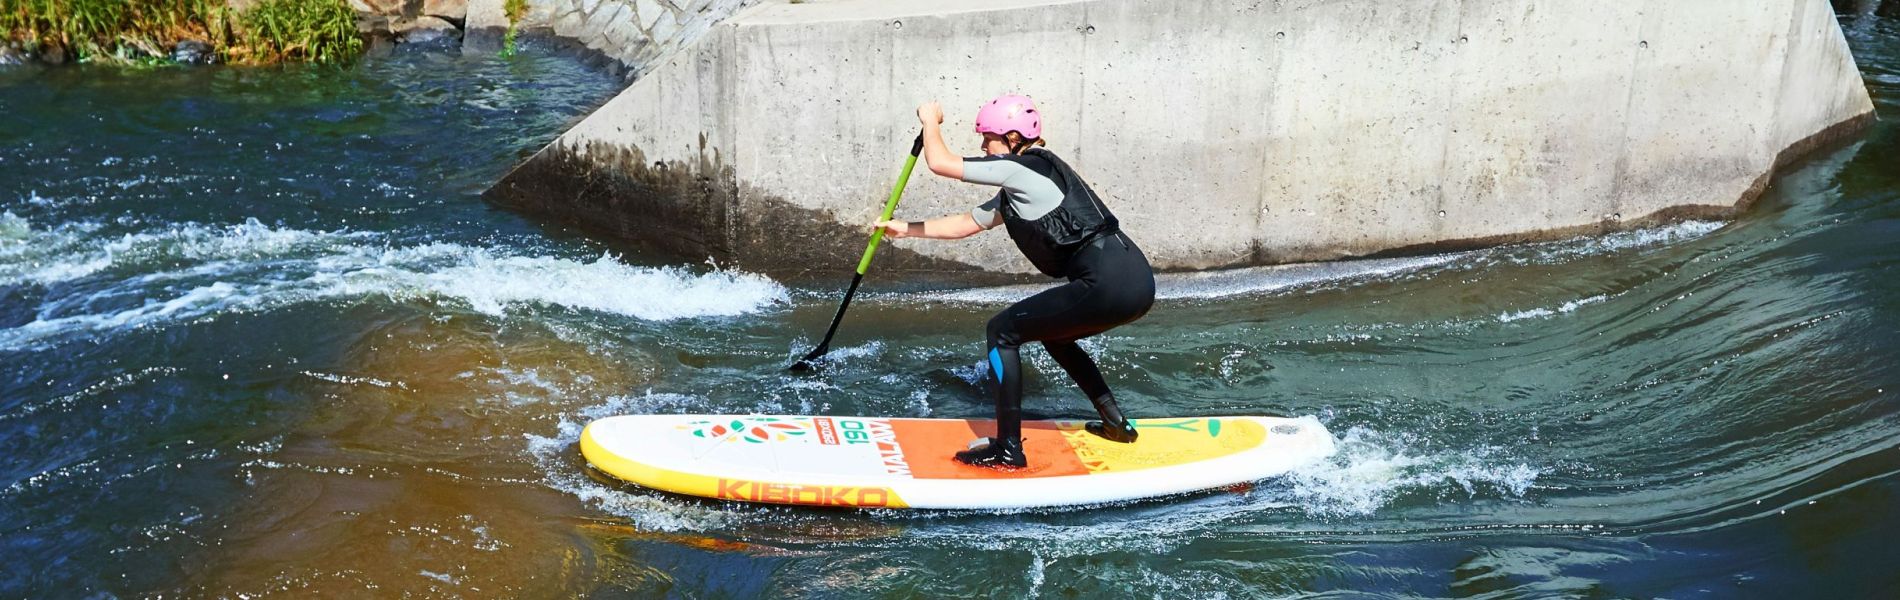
{"type": "Point", "coordinates": [1032, 189]}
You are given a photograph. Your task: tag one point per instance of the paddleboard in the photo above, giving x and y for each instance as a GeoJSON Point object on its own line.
{"type": "Point", "coordinates": [867, 462]}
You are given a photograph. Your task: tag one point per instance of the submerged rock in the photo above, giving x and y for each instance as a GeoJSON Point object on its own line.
{"type": "Point", "coordinates": [193, 52]}
{"type": "Point", "coordinates": [424, 30]}
{"type": "Point", "coordinates": [381, 7]}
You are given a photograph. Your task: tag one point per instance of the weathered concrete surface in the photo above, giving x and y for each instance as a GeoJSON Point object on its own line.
{"type": "Point", "coordinates": [625, 35]}
{"type": "Point", "coordinates": [1223, 134]}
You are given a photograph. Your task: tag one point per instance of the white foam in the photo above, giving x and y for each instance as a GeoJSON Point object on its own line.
{"type": "Point", "coordinates": [44, 256]}
{"type": "Point", "coordinates": [494, 285]}
{"type": "Point", "coordinates": [442, 577]}
{"type": "Point", "coordinates": [646, 510]}
{"type": "Point", "coordinates": [1269, 279]}
{"type": "Point", "coordinates": [1571, 249]}
{"type": "Point", "coordinates": [1232, 282]}
{"type": "Point", "coordinates": [75, 250]}
{"type": "Point", "coordinates": [530, 385]}
{"type": "Point", "coordinates": [1370, 469]}
{"type": "Point", "coordinates": [353, 380]}
{"type": "Point", "coordinates": [193, 271]}
{"type": "Point", "coordinates": [1565, 308]}
{"type": "Point", "coordinates": [491, 285]}
{"type": "Point", "coordinates": [838, 357]}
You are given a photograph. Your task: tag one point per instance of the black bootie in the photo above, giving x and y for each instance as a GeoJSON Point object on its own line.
{"type": "Point", "coordinates": [994, 452]}
{"type": "Point", "coordinates": [1112, 427]}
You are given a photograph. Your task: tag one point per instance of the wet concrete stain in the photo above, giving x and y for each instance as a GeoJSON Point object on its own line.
{"type": "Point", "coordinates": [701, 211]}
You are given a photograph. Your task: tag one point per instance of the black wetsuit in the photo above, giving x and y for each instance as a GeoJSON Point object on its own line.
{"type": "Point", "coordinates": [1110, 282]}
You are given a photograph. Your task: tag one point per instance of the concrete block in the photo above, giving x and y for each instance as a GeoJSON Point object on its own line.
{"type": "Point", "coordinates": [575, 25]}
{"type": "Point", "coordinates": [609, 16]}
{"type": "Point", "coordinates": [826, 90]}
{"type": "Point", "coordinates": [1699, 102]}
{"type": "Point", "coordinates": [1820, 84]}
{"type": "Point", "coordinates": [650, 13]}
{"type": "Point", "coordinates": [1356, 127]}
{"type": "Point", "coordinates": [663, 31]}
{"type": "Point", "coordinates": [1538, 108]}
{"type": "Point", "coordinates": [1147, 75]}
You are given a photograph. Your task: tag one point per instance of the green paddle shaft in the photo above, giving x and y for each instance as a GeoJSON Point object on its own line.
{"type": "Point", "coordinates": [890, 206]}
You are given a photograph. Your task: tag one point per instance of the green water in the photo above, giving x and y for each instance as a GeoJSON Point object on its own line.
{"type": "Point", "coordinates": [260, 336]}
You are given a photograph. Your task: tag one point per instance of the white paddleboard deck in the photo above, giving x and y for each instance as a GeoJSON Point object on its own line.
{"type": "Point", "coordinates": [906, 463]}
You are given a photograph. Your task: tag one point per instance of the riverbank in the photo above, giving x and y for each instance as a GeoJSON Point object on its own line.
{"type": "Point", "coordinates": [179, 31]}
{"type": "Point", "coordinates": [619, 36]}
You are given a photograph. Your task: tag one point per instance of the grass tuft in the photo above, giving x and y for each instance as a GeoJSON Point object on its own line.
{"type": "Point", "coordinates": [143, 31]}
{"type": "Point", "coordinates": [320, 31]}
{"type": "Point", "coordinates": [515, 9]}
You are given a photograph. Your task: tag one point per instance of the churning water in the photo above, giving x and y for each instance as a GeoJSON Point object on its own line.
{"type": "Point", "coordinates": [260, 336]}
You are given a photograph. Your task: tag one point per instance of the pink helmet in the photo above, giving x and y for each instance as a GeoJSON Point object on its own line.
{"type": "Point", "coordinates": [1010, 112]}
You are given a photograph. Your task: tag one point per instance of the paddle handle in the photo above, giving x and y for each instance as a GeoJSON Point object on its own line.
{"type": "Point", "coordinates": [890, 206]}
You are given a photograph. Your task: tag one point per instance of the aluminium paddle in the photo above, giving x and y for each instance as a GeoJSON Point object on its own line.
{"type": "Point", "coordinates": [864, 264]}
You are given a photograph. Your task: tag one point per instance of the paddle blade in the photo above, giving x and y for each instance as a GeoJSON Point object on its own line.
{"type": "Point", "coordinates": [805, 364]}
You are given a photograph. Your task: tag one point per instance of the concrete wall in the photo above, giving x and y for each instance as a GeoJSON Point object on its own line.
{"type": "Point", "coordinates": [1223, 133]}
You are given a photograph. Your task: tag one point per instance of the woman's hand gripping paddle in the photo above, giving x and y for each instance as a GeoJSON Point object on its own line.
{"type": "Point", "coordinates": [890, 206]}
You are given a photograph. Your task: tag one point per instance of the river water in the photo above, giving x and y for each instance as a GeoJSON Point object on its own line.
{"type": "Point", "coordinates": [261, 337]}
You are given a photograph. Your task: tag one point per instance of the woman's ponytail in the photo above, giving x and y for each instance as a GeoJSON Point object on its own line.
{"type": "Point", "coordinates": [1017, 144]}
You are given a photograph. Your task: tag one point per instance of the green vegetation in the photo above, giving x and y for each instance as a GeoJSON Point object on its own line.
{"type": "Point", "coordinates": [144, 31]}
{"type": "Point", "coordinates": [322, 31]}
{"type": "Point", "coordinates": [515, 9]}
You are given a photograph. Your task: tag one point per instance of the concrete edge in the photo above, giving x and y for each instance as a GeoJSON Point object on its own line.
{"type": "Point", "coordinates": [1834, 136]}
{"type": "Point", "coordinates": [1800, 153]}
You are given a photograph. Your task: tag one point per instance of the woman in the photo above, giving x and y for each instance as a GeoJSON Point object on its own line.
{"type": "Point", "coordinates": [1063, 228]}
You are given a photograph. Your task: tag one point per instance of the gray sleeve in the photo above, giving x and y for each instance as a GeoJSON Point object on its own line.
{"type": "Point", "coordinates": [992, 171]}
{"type": "Point", "coordinates": [986, 214]}
{"type": "Point", "coordinates": [1033, 195]}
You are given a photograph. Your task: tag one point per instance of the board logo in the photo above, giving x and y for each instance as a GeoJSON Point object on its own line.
{"type": "Point", "coordinates": [1211, 427]}
{"type": "Point", "coordinates": [757, 430]}
{"type": "Point", "coordinates": [827, 430]}
{"type": "Point", "coordinates": [878, 434]}
{"type": "Point", "coordinates": [813, 495]}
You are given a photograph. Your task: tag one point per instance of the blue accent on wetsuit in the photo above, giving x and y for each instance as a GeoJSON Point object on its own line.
{"type": "Point", "coordinates": [1110, 284]}
{"type": "Point", "coordinates": [1110, 280]}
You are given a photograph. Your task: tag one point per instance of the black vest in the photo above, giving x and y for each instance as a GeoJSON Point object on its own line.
{"type": "Point", "coordinates": [1050, 241]}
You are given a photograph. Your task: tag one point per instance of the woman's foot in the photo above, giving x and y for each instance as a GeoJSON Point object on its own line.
{"type": "Point", "coordinates": [1112, 427]}
{"type": "Point", "coordinates": [994, 453]}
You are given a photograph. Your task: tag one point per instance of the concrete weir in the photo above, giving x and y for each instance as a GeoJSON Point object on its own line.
{"type": "Point", "coordinates": [1223, 133]}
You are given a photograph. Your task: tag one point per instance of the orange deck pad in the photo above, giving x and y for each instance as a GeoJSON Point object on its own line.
{"type": "Point", "coordinates": [929, 444]}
